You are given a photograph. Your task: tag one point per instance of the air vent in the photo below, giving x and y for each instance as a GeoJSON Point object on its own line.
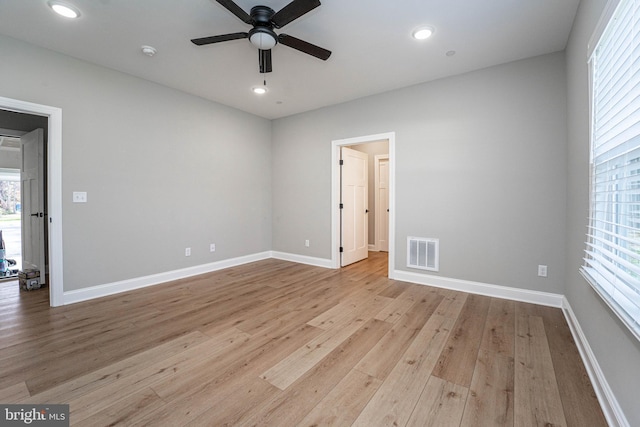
{"type": "Point", "coordinates": [423, 253]}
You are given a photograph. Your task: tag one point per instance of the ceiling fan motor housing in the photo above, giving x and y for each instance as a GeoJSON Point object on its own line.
{"type": "Point", "coordinates": [262, 35]}
{"type": "Point", "coordinates": [261, 15]}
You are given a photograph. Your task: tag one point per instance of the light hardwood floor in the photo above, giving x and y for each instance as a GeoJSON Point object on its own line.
{"type": "Point", "coordinates": [274, 343]}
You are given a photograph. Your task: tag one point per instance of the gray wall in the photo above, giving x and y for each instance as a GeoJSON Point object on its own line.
{"type": "Point", "coordinates": [617, 351]}
{"type": "Point", "coordinates": [163, 170]}
{"type": "Point", "coordinates": [480, 164]}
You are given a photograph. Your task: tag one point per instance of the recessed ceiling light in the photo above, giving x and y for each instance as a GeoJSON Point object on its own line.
{"type": "Point", "coordinates": [64, 9]}
{"type": "Point", "coordinates": [450, 52]}
{"type": "Point", "coordinates": [259, 90]}
{"type": "Point", "coordinates": [423, 33]}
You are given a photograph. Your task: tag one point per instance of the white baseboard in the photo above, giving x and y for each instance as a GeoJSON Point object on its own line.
{"type": "Point", "coordinates": [106, 289]}
{"type": "Point", "coordinates": [608, 402]}
{"type": "Point", "coordinates": [523, 295]}
{"type": "Point", "coordinates": [517, 294]}
{"type": "Point", "coordinates": [302, 259]}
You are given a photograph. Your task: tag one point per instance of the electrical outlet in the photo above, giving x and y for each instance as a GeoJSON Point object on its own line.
{"type": "Point", "coordinates": [187, 252]}
{"type": "Point", "coordinates": [306, 243]}
{"type": "Point", "coordinates": [542, 270]}
{"type": "Point", "coordinates": [79, 197]}
{"type": "Point", "coordinates": [212, 247]}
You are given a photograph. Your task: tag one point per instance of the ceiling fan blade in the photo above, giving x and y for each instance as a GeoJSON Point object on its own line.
{"type": "Point", "coordinates": [304, 46]}
{"type": "Point", "coordinates": [218, 39]}
{"type": "Point", "coordinates": [264, 57]}
{"type": "Point", "coordinates": [292, 11]}
{"type": "Point", "coordinates": [236, 10]}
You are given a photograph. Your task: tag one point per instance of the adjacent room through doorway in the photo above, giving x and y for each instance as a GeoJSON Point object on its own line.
{"type": "Point", "coordinates": [23, 197]}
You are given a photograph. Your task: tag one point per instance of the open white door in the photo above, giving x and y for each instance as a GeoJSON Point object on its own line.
{"type": "Point", "coordinates": [355, 206]}
{"type": "Point", "coordinates": [32, 189]}
{"type": "Point", "coordinates": [382, 202]}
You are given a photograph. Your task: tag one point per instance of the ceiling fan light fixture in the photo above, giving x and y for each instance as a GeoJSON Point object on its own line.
{"type": "Point", "coordinates": [64, 9]}
{"type": "Point", "coordinates": [423, 33]}
{"type": "Point", "coordinates": [262, 38]}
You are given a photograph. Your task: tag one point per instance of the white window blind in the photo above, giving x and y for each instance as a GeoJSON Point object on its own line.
{"type": "Point", "coordinates": [612, 255]}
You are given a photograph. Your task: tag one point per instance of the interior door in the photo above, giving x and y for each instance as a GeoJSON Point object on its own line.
{"type": "Point", "coordinates": [382, 195]}
{"type": "Point", "coordinates": [355, 206]}
{"type": "Point", "coordinates": [32, 194]}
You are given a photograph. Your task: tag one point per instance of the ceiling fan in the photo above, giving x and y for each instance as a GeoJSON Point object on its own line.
{"type": "Point", "coordinates": [264, 20]}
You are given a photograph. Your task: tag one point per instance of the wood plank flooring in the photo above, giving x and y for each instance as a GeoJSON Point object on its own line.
{"type": "Point", "coordinates": [274, 343]}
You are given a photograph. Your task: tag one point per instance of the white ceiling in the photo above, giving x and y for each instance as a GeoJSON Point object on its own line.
{"type": "Point", "coordinates": [373, 51]}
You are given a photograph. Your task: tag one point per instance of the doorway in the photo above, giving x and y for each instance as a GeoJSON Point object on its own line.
{"type": "Point", "coordinates": [53, 178]}
{"type": "Point", "coordinates": [336, 189]}
{"type": "Point", "coordinates": [22, 196]}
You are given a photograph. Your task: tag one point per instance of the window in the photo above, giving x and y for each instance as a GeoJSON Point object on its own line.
{"type": "Point", "coordinates": [612, 254]}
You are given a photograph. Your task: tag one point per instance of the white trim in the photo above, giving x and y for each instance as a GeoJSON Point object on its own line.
{"type": "Point", "coordinates": [524, 295]}
{"type": "Point", "coordinates": [608, 402]}
{"type": "Point", "coordinates": [302, 259]}
{"type": "Point", "coordinates": [496, 291]}
{"type": "Point", "coordinates": [54, 190]}
{"type": "Point", "coordinates": [373, 248]}
{"type": "Point", "coordinates": [106, 289]}
{"type": "Point", "coordinates": [335, 194]}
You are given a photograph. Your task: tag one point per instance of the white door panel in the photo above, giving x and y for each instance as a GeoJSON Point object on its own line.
{"type": "Point", "coordinates": [382, 212]}
{"type": "Point", "coordinates": [355, 224]}
{"type": "Point", "coordinates": [32, 188]}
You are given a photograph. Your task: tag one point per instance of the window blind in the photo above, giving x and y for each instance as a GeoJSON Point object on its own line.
{"type": "Point", "coordinates": [612, 254]}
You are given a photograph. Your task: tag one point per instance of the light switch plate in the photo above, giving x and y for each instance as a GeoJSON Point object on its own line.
{"type": "Point", "coordinates": [79, 197]}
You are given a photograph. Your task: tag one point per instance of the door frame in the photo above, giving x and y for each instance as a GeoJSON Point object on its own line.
{"type": "Point", "coordinates": [54, 189]}
{"type": "Point", "coordinates": [335, 194]}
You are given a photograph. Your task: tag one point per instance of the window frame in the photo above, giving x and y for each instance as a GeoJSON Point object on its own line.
{"type": "Point", "coordinates": [632, 323]}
